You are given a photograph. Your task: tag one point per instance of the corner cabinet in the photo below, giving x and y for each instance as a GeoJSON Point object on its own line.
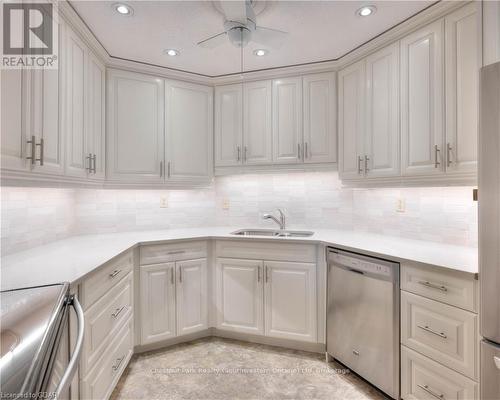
{"type": "Point", "coordinates": [158, 131]}
{"type": "Point", "coordinates": [393, 103]}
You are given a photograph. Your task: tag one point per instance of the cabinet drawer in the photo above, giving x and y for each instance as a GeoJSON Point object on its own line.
{"type": "Point", "coordinates": [272, 250]}
{"type": "Point", "coordinates": [451, 287]}
{"type": "Point", "coordinates": [161, 253]}
{"type": "Point", "coordinates": [100, 282]}
{"type": "Point", "coordinates": [441, 332]}
{"type": "Point", "coordinates": [101, 381]}
{"type": "Point", "coordinates": [422, 378]}
{"type": "Point", "coordinates": [103, 320]}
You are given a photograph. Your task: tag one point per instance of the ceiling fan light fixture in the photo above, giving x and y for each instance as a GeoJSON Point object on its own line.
{"type": "Point", "coordinates": [366, 11]}
{"type": "Point", "coordinates": [260, 52]}
{"type": "Point", "coordinates": [172, 52]}
{"type": "Point", "coordinates": [123, 9]}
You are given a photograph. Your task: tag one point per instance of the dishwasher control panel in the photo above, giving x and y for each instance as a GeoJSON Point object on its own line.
{"type": "Point", "coordinates": [358, 264]}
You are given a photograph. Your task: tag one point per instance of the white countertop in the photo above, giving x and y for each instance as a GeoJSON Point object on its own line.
{"type": "Point", "coordinates": [73, 258]}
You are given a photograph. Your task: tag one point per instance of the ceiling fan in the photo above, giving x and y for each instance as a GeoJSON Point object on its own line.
{"type": "Point", "coordinates": [240, 27]}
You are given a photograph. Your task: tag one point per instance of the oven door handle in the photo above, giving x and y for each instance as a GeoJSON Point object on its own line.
{"type": "Point", "coordinates": [77, 351]}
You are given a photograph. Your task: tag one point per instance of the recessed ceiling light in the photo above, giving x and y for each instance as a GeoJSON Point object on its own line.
{"type": "Point", "coordinates": [172, 52]}
{"type": "Point", "coordinates": [260, 52]}
{"type": "Point", "coordinates": [123, 9]}
{"type": "Point", "coordinates": [366, 11]}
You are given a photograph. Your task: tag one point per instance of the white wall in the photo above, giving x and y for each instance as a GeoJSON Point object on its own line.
{"type": "Point", "coordinates": [312, 200]}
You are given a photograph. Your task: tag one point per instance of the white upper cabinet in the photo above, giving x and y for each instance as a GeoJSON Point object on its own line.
{"type": "Point", "coordinates": [287, 120]}
{"type": "Point", "coordinates": [320, 123]}
{"type": "Point", "coordinates": [462, 73]}
{"type": "Point", "coordinates": [228, 125]}
{"type": "Point", "coordinates": [257, 125]}
{"type": "Point", "coordinates": [189, 132]}
{"type": "Point", "coordinates": [351, 121]}
{"type": "Point", "coordinates": [422, 101]}
{"type": "Point", "coordinates": [135, 134]}
{"type": "Point", "coordinates": [290, 300]}
{"type": "Point", "coordinates": [381, 154]}
{"type": "Point", "coordinates": [77, 161]}
{"type": "Point", "coordinates": [13, 144]}
{"type": "Point", "coordinates": [96, 120]}
{"type": "Point", "coordinates": [239, 295]}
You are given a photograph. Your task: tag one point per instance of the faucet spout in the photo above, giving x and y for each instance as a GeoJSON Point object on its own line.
{"type": "Point", "coordinates": [281, 221]}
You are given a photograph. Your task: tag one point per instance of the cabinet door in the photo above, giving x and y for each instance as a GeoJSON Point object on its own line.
{"type": "Point", "coordinates": [422, 105]}
{"type": "Point", "coordinates": [257, 128]}
{"type": "Point", "coordinates": [351, 121]}
{"type": "Point", "coordinates": [77, 160]}
{"type": "Point", "coordinates": [135, 127]}
{"type": "Point", "coordinates": [96, 117]}
{"type": "Point", "coordinates": [157, 302]}
{"type": "Point", "coordinates": [239, 295]}
{"type": "Point", "coordinates": [290, 300]}
{"type": "Point", "coordinates": [462, 73]}
{"type": "Point", "coordinates": [13, 146]}
{"type": "Point", "coordinates": [287, 120]}
{"type": "Point", "coordinates": [189, 132]}
{"type": "Point", "coordinates": [192, 300]}
{"type": "Point", "coordinates": [320, 123]}
{"type": "Point", "coordinates": [382, 150]}
{"type": "Point", "coordinates": [228, 125]}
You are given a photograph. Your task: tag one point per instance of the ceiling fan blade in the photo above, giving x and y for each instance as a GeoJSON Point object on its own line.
{"type": "Point", "coordinates": [213, 41]}
{"type": "Point", "coordinates": [235, 10]}
{"type": "Point", "coordinates": [269, 37]}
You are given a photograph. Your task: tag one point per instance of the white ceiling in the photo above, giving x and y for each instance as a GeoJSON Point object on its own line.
{"type": "Point", "coordinates": [318, 31]}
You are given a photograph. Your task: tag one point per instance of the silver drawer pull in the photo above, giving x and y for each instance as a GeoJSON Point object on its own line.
{"type": "Point", "coordinates": [433, 286]}
{"type": "Point", "coordinates": [118, 311]}
{"type": "Point", "coordinates": [114, 273]}
{"type": "Point", "coordinates": [426, 388]}
{"type": "Point", "coordinates": [118, 363]}
{"type": "Point", "coordinates": [176, 252]}
{"type": "Point", "coordinates": [355, 352]}
{"type": "Point", "coordinates": [427, 329]}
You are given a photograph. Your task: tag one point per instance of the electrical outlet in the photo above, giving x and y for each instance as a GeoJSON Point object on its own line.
{"type": "Point", "coordinates": [163, 202]}
{"type": "Point", "coordinates": [401, 205]}
{"type": "Point", "coordinates": [225, 204]}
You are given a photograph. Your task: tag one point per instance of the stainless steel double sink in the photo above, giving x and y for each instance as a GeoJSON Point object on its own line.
{"type": "Point", "coordinates": [272, 233]}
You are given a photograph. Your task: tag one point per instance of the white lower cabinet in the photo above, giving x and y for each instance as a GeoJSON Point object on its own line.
{"type": "Point", "coordinates": [290, 299]}
{"type": "Point", "coordinates": [239, 295]}
{"type": "Point", "coordinates": [276, 299]}
{"type": "Point", "coordinates": [192, 312]}
{"type": "Point", "coordinates": [173, 299]}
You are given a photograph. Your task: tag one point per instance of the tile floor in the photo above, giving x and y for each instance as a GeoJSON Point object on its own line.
{"type": "Point", "coordinates": [220, 369]}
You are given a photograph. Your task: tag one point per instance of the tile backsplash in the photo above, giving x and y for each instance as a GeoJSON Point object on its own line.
{"type": "Point", "coordinates": [33, 216]}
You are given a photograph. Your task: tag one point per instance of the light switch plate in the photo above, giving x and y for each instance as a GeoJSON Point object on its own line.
{"type": "Point", "coordinates": [225, 204]}
{"type": "Point", "coordinates": [163, 202]}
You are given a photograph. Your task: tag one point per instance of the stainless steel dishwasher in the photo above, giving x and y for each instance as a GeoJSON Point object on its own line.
{"type": "Point", "coordinates": [363, 317]}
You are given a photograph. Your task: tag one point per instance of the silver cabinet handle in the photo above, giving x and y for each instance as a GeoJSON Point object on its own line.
{"type": "Point", "coordinates": [89, 168]}
{"type": "Point", "coordinates": [298, 151]}
{"type": "Point", "coordinates": [238, 158]}
{"type": "Point", "coordinates": [433, 286]}
{"type": "Point", "coordinates": [172, 276]}
{"type": "Point", "coordinates": [448, 154]}
{"type": "Point", "coordinates": [176, 252]}
{"type": "Point", "coordinates": [118, 312]}
{"type": "Point", "coordinates": [42, 154]}
{"type": "Point", "coordinates": [267, 273]}
{"type": "Point", "coordinates": [355, 352]}
{"type": "Point", "coordinates": [360, 168]}
{"type": "Point", "coordinates": [436, 156]}
{"type": "Point", "coordinates": [180, 274]}
{"type": "Point", "coordinates": [77, 351]}
{"type": "Point", "coordinates": [161, 169]}
{"type": "Point", "coordinates": [118, 363]}
{"type": "Point", "coordinates": [32, 156]}
{"type": "Point", "coordinates": [306, 152]}
{"type": "Point", "coordinates": [94, 168]}
{"type": "Point", "coordinates": [366, 163]}
{"type": "Point", "coordinates": [245, 153]}
{"type": "Point", "coordinates": [114, 273]}
{"type": "Point", "coordinates": [427, 329]}
{"type": "Point", "coordinates": [426, 388]}
{"type": "Point", "coordinates": [168, 169]}
{"type": "Point", "coordinates": [258, 274]}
